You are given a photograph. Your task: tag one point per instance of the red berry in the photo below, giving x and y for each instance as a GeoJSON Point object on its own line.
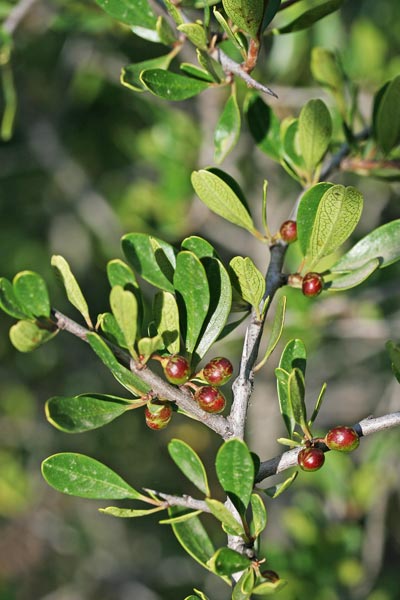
{"type": "Point", "coordinates": [312, 284]}
{"type": "Point", "coordinates": [158, 415]}
{"type": "Point", "coordinates": [344, 439]}
{"type": "Point", "coordinates": [311, 459]}
{"type": "Point", "coordinates": [210, 399]}
{"type": "Point", "coordinates": [176, 369]}
{"type": "Point", "coordinates": [288, 231]}
{"type": "Point", "coordinates": [218, 371]}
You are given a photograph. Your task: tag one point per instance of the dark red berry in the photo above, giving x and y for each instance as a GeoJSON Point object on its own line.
{"type": "Point", "coordinates": [176, 369]}
{"type": "Point", "coordinates": [210, 399]}
{"type": "Point", "coordinates": [218, 371]}
{"type": "Point", "coordinates": [344, 439]}
{"type": "Point", "coordinates": [288, 231]}
{"type": "Point", "coordinates": [311, 459]}
{"type": "Point", "coordinates": [158, 415]}
{"type": "Point", "coordinates": [312, 284]}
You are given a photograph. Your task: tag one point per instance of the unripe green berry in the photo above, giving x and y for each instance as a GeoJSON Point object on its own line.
{"type": "Point", "coordinates": [311, 459]}
{"type": "Point", "coordinates": [218, 371]}
{"type": "Point", "coordinates": [312, 284]}
{"type": "Point", "coordinates": [176, 369]}
{"type": "Point", "coordinates": [342, 438]}
{"type": "Point", "coordinates": [210, 399]}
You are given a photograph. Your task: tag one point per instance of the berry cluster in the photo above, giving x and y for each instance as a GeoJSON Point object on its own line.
{"type": "Point", "coordinates": [341, 438]}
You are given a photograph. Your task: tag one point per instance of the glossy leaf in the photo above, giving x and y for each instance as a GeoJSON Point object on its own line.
{"type": "Point", "coordinates": [269, 588]}
{"type": "Point", "coordinates": [293, 356]}
{"type": "Point", "coordinates": [85, 412]}
{"type": "Point", "coordinates": [80, 475]}
{"type": "Point", "coordinates": [244, 585]}
{"type": "Point", "coordinates": [147, 346]}
{"type": "Point", "coordinates": [130, 75]}
{"type": "Point", "coordinates": [276, 490]}
{"type": "Point", "coordinates": [394, 355]}
{"type": "Point", "coordinates": [130, 12]}
{"type": "Point", "coordinates": [235, 472]}
{"type": "Point", "coordinates": [196, 72]}
{"type": "Point", "coordinates": [73, 291]}
{"type": "Point", "coordinates": [223, 514]}
{"type": "Point", "coordinates": [315, 132]}
{"type": "Point", "coordinates": [221, 199]}
{"type": "Point", "coordinates": [166, 317]}
{"type": "Point", "coordinates": [171, 86]}
{"type": "Point", "coordinates": [31, 293]}
{"type": "Point", "coordinates": [311, 16]}
{"type": "Point", "coordinates": [296, 397]}
{"type": "Point", "coordinates": [259, 513]}
{"type": "Point", "coordinates": [199, 246]}
{"type": "Point", "coordinates": [193, 537]}
{"type": "Point", "coordinates": [264, 126]}
{"type": "Point", "coordinates": [152, 258]}
{"type": "Point", "coordinates": [387, 117]}
{"type": "Point", "coordinates": [307, 211]}
{"type": "Point", "coordinates": [276, 330]}
{"type": "Point", "coordinates": [227, 130]}
{"type": "Point", "coordinates": [129, 513]}
{"type": "Point", "coordinates": [272, 7]}
{"type": "Point", "coordinates": [27, 335]}
{"type": "Point", "coordinates": [125, 310]}
{"type": "Point", "coordinates": [8, 300]}
{"type": "Point", "coordinates": [189, 463]}
{"type": "Point", "coordinates": [119, 273]}
{"type": "Point", "coordinates": [245, 15]}
{"type": "Point", "coordinates": [248, 279]}
{"type": "Point", "coordinates": [382, 243]}
{"type": "Point", "coordinates": [227, 561]}
{"type": "Point", "coordinates": [110, 328]}
{"type": "Point", "coordinates": [345, 281]}
{"type": "Point", "coordinates": [195, 33]}
{"type": "Point", "coordinates": [190, 280]}
{"type": "Point", "coordinates": [125, 377]}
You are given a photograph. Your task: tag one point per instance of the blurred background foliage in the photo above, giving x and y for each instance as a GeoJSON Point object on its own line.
{"type": "Point", "coordinates": [88, 161]}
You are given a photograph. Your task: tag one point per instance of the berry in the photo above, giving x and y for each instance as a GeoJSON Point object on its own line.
{"type": "Point", "coordinates": [344, 439]}
{"type": "Point", "coordinates": [176, 369]}
{"type": "Point", "coordinates": [218, 371]}
{"type": "Point", "coordinates": [312, 284]}
{"type": "Point", "coordinates": [311, 459]}
{"type": "Point", "coordinates": [157, 415]}
{"type": "Point", "coordinates": [210, 399]}
{"type": "Point", "coordinates": [288, 231]}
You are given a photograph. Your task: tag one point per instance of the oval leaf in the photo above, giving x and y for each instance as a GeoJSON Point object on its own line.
{"type": "Point", "coordinates": [130, 75]}
{"type": "Point", "coordinates": [345, 281]}
{"type": "Point", "coordinates": [119, 273]}
{"type": "Point", "coordinates": [246, 15]}
{"type": "Point", "coordinates": [310, 17]}
{"type": "Point", "coordinates": [125, 310]}
{"type": "Point", "coordinates": [223, 514]}
{"type": "Point", "coordinates": [193, 537]}
{"type": "Point", "coordinates": [293, 355]}
{"type": "Point", "coordinates": [227, 561]}
{"type": "Point", "coordinates": [199, 246]}
{"type": "Point", "coordinates": [8, 300]}
{"type": "Point", "coordinates": [31, 292]}
{"type": "Point", "coordinates": [130, 12]}
{"type": "Point", "coordinates": [227, 130]}
{"type": "Point", "coordinates": [315, 132]}
{"type": "Point", "coordinates": [387, 118]}
{"type": "Point", "coordinates": [152, 258]}
{"type": "Point", "coordinates": [249, 280]}
{"type": "Point", "coordinates": [307, 211]}
{"type": "Point", "coordinates": [72, 289]}
{"type": "Point", "coordinates": [259, 520]}
{"type": "Point", "coordinates": [189, 463]}
{"type": "Point", "coordinates": [166, 318]}
{"type": "Point", "coordinates": [235, 471]}
{"type": "Point", "coordinates": [171, 86]}
{"type": "Point", "coordinates": [26, 335]}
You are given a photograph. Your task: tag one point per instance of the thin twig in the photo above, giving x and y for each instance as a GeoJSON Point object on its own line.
{"type": "Point", "coordinates": [17, 14]}
{"type": "Point", "coordinates": [345, 149]}
{"type": "Point", "coordinates": [186, 501]}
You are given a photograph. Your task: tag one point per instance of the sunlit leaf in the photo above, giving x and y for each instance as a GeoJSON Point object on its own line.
{"type": "Point", "coordinates": [223, 514]}
{"type": "Point", "coordinates": [315, 131]}
{"type": "Point", "coordinates": [31, 293]}
{"type": "Point", "coordinates": [259, 513]}
{"type": "Point", "coordinates": [171, 86]}
{"type": "Point", "coordinates": [8, 300]}
{"type": "Point", "coordinates": [227, 130]}
{"type": "Point", "coordinates": [189, 463]}
{"type": "Point", "coordinates": [73, 291]}
{"type": "Point", "coordinates": [345, 281]}
{"type": "Point", "coordinates": [27, 335]}
{"type": "Point", "coordinates": [152, 258]}
{"type": "Point", "coordinates": [246, 15]}
{"type": "Point", "coordinates": [235, 471]}
{"type": "Point", "coordinates": [249, 280]}
{"type": "Point", "coordinates": [227, 561]}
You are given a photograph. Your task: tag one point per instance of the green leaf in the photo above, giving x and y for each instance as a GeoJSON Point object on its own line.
{"type": "Point", "coordinates": [26, 335]}
{"type": "Point", "coordinates": [152, 258]}
{"type": "Point", "coordinates": [235, 472]}
{"type": "Point", "coordinates": [394, 355]}
{"type": "Point", "coordinates": [272, 7]}
{"type": "Point", "coordinates": [119, 273]}
{"type": "Point", "coordinates": [296, 395]}
{"type": "Point", "coordinates": [8, 300]}
{"type": "Point", "coordinates": [326, 70]}
{"type": "Point", "coordinates": [125, 377]}
{"type": "Point", "coordinates": [166, 317]}
{"type": "Point", "coordinates": [199, 246]}
{"type": "Point", "coordinates": [227, 561]}
{"type": "Point", "coordinates": [80, 475]}
{"type": "Point", "coordinates": [221, 199]}
{"type": "Point", "coordinates": [268, 588]}
{"type": "Point", "coordinates": [382, 243]}
{"type": "Point", "coordinates": [276, 490]}
{"type": "Point", "coordinates": [125, 310]}
{"type": "Point", "coordinates": [210, 65]}
{"type": "Point", "coordinates": [196, 72]}
{"type": "Point", "coordinates": [181, 518]}
{"type": "Point", "coordinates": [318, 404]}
{"type": "Point", "coordinates": [173, 11]}
{"type": "Point", "coordinates": [73, 291]}
{"type": "Point", "coordinates": [315, 132]}
{"type": "Point", "coordinates": [387, 117]}
{"type": "Point", "coordinates": [264, 126]}
{"type": "Point", "coordinates": [244, 585]}
{"type": "Point", "coordinates": [193, 537]}
{"type": "Point", "coordinates": [226, 133]}
{"type": "Point", "coordinates": [345, 281]}
{"type": "Point", "coordinates": [259, 520]}
{"type": "Point", "coordinates": [147, 346]}
{"type": "Point", "coordinates": [223, 514]}
{"type": "Point", "coordinates": [85, 412]}
{"type": "Point", "coordinates": [291, 154]}
{"type": "Point", "coordinates": [114, 511]}
{"type": "Point", "coordinates": [220, 304]}
{"type": "Point", "coordinates": [309, 17]}
{"type": "Point", "coordinates": [293, 356]}
{"type": "Point", "coordinates": [249, 280]}
{"type": "Point", "coordinates": [31, 293]}
{"type": "Point", "coordinates": [276, 331]}
{"type": "Point", "coordinates": [190, 280]}
{"type": "Point", "coordinates": [189, 463]}
{"type": "Point", "coordinates": [165, 32]}
{"type": "Point", "coordinates": [234, 39]}
{"type": "Point", "coordinates": [195, 33]}
{"type": "Point", "coordinates": [171, 86]}
{"type": "Point", "coordinates": [246, 15]}
{"type": "Point", "coordinates": [130, 12]}
{"type": "Point", "coordinates": [307, 211]}
{"type": "Point", "coordinates": [130, 75]}
{"type": "Point", "coordinates": [110, 328]}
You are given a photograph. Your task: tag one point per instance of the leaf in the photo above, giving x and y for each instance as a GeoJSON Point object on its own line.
{"type": "Point", "coordinates": [199, 246]}
{"type": "Point", "coordinates": [166, 318]}
{"type": "Point", "coordinates": [271, 9]}
{"type": "Point", "coordinates": [210, 65]}
{"type": "Point", "coordinates": [193, 537]}
{"type": "Point", "coordinates": [73, 291]}
{"type": "Point", "coordinates": [326, 70]}
{"type": "Point", "coordinates": [125, 377]}
{"type": "Point", "coordinates": [309, 17]}
{"type": "Point", "coordinates": [268, 588]}
{"type": "Point", "coordinates": [147, 346]}
{"type": "Point", "coordinates": [165, 32]}
{"type": "Point", "coordinates": [80, 475]}
{"type": "Point", "coordinates": [259, 520]}
{"type": "Point", "coordinates": [307, 211]}
{"type": "Point", "coordinates": [196, 72]}
{"type": "Point", "coordinates": [110, 328]}
{"type": "Point", "coordinates": [171, 86]}
{"type": "Point", "coordinates": [246, 15]}
{"type": "Point", "coordinates": [234, 39]}
{"type": "Point", "coordinates": [26, 335]}
{"type": "Point", "coordinates": [8, 300]}
{"type": "Point", "coordinates": [394, 354]}
{"type": "Point", "coordinates": [125, 310]}
{"type": "Point", "coordinates": [264, 126]}
{"type": "Point", "coordinates": [189, 463]}
{"type": "Point", "coordinates": [190, 280]}
{"type": "Point", "coordinates": [345, 281]}
{"type": "Point", "coordinates": [276, 490]}
{"type": "Point", "coordinates": [130, 75]}
{"type": "Point", "coordinates": [244, 585]}
{"type": "Point", "coordinates": [290, 148]}
{"type": "Point", "coordinates": [382, 243]}
{"type": "Point", "coordinates": [235, 472]}
{"type": "Point", "coordinates": [195, 33]}
{"type": "Point", "coordinates": [119, 273]}
{"type": "Point", "coordinates": [85, 412]}
{"type": "Point", "coordinates": [223, 514]}
{"type": "Point", "coordinates": [181, 518]}
{"type": "Point", "coordinates": [250, 281]}
{"type": "Point", "coordinates": [387, 118]}
{"type": "Point", "coordinates": [315, 132]}
{"type": "Point", "coordinates": [296, 395]}
{"type": "Point", "coordinates": [31, 293]}
{"type": "Point", "coordinates": [227, 130]}
{"type": "Point", "coordinates": [221, 199]}
{"type": "Point", "coordinates": [227, 561]}
{"type": "Point", "coordinates": [152, 258]}
{"type": "Point", "coordinates": [114, 511]}
{"type": "Point", "coordinates": [276, 331]}
{"type": "Point", "coordinates": [130, 12]}
{"type": "Point", "coordinates": [294, 355]}
{"type": "Point", "coordinates": [318, 404]}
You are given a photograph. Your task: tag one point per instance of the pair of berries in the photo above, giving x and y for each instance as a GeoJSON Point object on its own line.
{"type": "Point", "coordinates": [342, 439]}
